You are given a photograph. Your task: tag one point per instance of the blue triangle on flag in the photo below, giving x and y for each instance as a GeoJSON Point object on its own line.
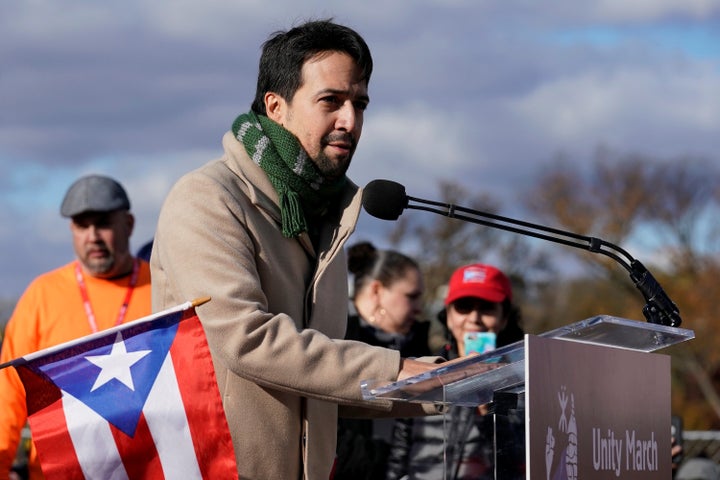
{"type": "Point", "coordinates": [114, 401]}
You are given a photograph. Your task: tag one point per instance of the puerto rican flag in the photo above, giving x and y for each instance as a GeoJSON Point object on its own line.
{"type": "Point", "coordinates": [139, 401]}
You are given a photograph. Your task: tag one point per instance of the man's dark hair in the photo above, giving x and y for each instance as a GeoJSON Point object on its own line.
{"type": "Point", "coordinates": [285, 53]}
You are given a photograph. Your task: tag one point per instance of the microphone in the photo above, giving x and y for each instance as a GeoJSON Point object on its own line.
{"type": "Point", "coordinates": [386, 200]}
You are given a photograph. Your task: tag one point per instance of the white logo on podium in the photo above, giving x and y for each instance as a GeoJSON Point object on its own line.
{"type": "Point", "coordinates": [567, 469]}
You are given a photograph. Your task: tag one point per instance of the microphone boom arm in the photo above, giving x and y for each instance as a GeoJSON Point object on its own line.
{"type": "Point", "coordinates": [659, 309]}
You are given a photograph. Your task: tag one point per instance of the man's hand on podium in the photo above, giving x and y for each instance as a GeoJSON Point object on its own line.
{"type": "Point", "coordinates": [466, 368]}
{"type": "Point", "coordinates": [410, 367]}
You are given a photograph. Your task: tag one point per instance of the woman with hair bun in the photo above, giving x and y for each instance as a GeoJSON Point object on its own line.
{"type": "Point", "coordinates": [386, 300]}
{"type": "Point", "coordinates": [386, 304]}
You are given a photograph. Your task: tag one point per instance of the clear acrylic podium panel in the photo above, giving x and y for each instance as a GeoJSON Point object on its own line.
{"type": "Point", "coordinates": [473, 380]}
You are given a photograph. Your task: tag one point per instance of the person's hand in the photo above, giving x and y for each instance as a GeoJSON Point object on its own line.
{"type": "Point", "coordinates": [410, 368]}
{"type": "Point", "coordinates": [14, 476]}
{"type": "Point", "coordinates": [676, 452]}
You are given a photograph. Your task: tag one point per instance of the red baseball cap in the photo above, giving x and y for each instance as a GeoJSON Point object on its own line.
{"type": "Point", "coordinates": [480, 281]}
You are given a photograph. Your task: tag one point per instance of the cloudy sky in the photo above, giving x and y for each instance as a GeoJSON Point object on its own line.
{"type": "Point", "coordinates": [481, 92]}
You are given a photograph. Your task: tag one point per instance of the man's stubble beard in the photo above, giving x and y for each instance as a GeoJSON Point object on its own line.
{"type": "Point", "coordinates": [330, 169]}
{"type": "Point", "coordinates": [334, 169]}
{"type": "Point", "coordinates": [100, 267]}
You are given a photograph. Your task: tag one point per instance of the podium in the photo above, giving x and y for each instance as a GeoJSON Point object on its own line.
{"type": "Point", "coordinates": [592, 399]}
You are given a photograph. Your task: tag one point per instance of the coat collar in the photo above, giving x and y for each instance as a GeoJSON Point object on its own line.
{"type": "Point", "coordinates": [262, 194]}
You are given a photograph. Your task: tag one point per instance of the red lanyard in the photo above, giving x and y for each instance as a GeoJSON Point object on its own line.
{"type": "Point", "coordinates": [86, 299]}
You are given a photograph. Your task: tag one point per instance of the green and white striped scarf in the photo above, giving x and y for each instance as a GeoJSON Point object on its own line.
{"type": "Point", "coordinates": [300, 185]}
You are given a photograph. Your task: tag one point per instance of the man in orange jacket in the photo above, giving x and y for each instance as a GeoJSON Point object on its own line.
{"type": "Point", "coordinates": [103, 287]}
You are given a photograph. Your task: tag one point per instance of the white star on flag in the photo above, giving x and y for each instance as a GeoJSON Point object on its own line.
{"type": "Point", "coordinates": [116, 364]}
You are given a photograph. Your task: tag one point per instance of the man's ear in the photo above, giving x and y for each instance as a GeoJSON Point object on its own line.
{"type": "Point", "coordinates": [275, 107]}
{"type": "Point", "coordinates": [130, 222]}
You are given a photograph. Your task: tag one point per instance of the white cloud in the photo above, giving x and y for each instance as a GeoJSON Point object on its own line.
{"type": "Point", "coordinates": [415, 144]}
{"type": "Point", "coordinates": [644, 109]}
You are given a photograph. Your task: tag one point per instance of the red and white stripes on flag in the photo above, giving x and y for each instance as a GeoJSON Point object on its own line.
{"type": "Point", "coordinates": [135, 402]}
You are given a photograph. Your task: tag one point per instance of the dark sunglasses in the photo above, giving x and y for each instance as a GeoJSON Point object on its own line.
{"type": "Point", "coordinates": [466, 305]}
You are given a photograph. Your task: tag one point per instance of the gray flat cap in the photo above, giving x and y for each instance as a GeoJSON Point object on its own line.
{"type": "Point", "coordinates": [94, 193]}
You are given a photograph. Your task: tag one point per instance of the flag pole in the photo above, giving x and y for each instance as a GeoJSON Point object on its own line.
{"type": "Point", "coordinates": [177, 308]}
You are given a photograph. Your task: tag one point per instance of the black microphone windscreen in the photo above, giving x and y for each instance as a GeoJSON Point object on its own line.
{"type": "Point", "coordinates": [384, 199]}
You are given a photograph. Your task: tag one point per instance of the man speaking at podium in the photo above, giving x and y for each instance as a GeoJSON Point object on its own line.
{"type": "Point", "coordinates": [261, 230]}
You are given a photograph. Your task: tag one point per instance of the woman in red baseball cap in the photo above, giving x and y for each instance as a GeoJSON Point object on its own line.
{"type": "Point", "coordinates": [478, 301]}
{"type": "Point", "coordinates": [478, 306]}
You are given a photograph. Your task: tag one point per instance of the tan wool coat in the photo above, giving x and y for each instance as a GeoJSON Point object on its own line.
{"type": "Point", "coordinates": [278, 307]}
